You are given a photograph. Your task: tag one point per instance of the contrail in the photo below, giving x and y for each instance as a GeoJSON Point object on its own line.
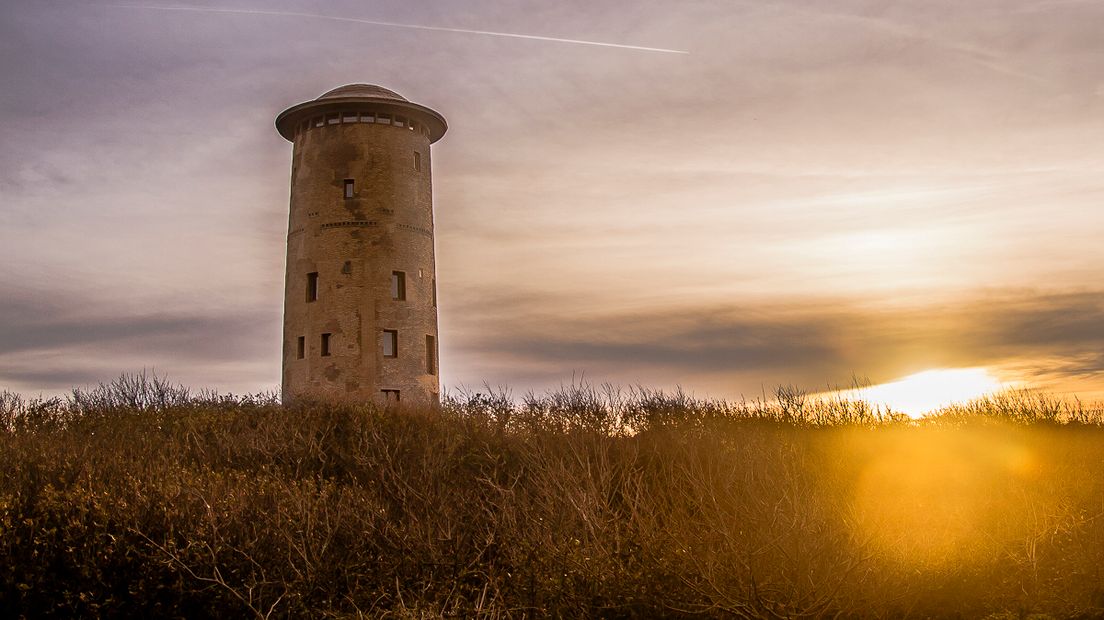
{"type": "Point", "coordinates": [511, 35]}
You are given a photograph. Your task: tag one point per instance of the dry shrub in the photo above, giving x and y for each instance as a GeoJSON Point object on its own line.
{"type": "Point", "coordinates": [140, 499]}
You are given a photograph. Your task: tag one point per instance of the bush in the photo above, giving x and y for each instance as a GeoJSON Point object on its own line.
{"type": "Point", "coordinates": [141, 499]}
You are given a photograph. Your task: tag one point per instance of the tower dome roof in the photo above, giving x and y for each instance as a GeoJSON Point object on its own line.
{"type": "Point", "coordinates": [363, 90]}
{"type": "Point", "coordinates": [353, 96]}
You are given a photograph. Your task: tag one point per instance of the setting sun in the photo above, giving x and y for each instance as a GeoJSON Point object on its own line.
{"type": "Point", "coordinates": [927, 391]}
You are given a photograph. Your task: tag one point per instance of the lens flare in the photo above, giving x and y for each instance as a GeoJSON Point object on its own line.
{"type": "Point", "coordinates": [931, 497]}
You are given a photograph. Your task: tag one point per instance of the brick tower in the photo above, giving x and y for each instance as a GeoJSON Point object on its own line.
{"type": "Point", "coordinates": [360, 291]}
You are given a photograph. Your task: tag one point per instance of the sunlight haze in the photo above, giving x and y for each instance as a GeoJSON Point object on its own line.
{"type": "Point", "coordinates": [814, 191]}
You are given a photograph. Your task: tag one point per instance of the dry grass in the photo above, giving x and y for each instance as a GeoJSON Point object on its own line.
{"type": "Point", "coordinates": [142, 500]}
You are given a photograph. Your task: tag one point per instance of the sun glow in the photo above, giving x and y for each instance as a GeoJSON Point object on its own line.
{"type": "Point", "coordinates": [930, 390]}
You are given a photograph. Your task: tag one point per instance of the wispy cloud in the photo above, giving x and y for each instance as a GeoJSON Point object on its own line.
{"type": "Point", "coordinates": [977, 54]}
{"type": "Point", "coordinates": [356, 20]}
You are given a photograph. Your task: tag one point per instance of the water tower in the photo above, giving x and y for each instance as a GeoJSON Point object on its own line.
{"type": "Point", "coordinates": [360, 291]}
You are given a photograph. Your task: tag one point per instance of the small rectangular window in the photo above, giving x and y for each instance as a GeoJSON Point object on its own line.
{"type": "Point", "coordinates": [318, 121]}
{"type": "Point", "coordinates": [398, 285]}
{"type": "Point", "coordinates": [326, 345]}
{"type": "Point", "coordinates": [301, 347]}
{"type": "Point", "coordinates": [349, 117]}
{"type": "Point", "coordinates": [390, 396]}
{"type": "Point", "coordinates": [389, 341]}
{"type": "Point", "coordinates": [312, 286]}
{"type": "Point", "coordinates": [367, 117]}
{"type": "Point", "coordinates": [348, 188]}
{"type": "Point", "coordinates": [431, 355]}
{"type": "Point", "coordinates": [400, 121]}
{"type": "Point", "coordinates": [383, 119]}
{"type": "Point", "coordinates": [417, 161]}
{"type": "Point", "coordinates": [333, 119]}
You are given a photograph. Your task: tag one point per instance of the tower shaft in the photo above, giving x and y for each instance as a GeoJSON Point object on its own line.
{"type": "Point", "coordinates": [360, 312]}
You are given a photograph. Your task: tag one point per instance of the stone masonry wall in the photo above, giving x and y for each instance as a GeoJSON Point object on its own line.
{"type": "Point", "coordinates": [354, 245]}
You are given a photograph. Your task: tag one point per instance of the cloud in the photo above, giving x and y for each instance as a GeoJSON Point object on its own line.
{"type": "Point", "coordinates": [535, 340]}
{"type": "Point", "coordinates": [33, 322]}
{"type": "Point", "coordinates": [1039, 322]}
{"type": "Point", "coordinates": [58, 379]}
{"type": "Point", "coordinates": [52, 342]}
{"type": "Point", "coordinates": [810, 344]}
{"type": "Point", "coordinates": [683, 215]}
{"type": "Point", "coordinates": [981, 56]}
{"type": "Point", "coordinates": [369, 22]}
{"type": "Point", "coordinates": [717, 342]}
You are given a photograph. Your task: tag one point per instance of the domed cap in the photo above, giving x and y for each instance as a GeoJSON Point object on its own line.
{"type": "Point", "coordinates": [363, 90]}
{"type": "Point", "coordinates": [369, 96]}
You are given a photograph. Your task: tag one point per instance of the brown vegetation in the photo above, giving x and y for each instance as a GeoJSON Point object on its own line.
{"type": "Point", "coordinates": [139, 499]}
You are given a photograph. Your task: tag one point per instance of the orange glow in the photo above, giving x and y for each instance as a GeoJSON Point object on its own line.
{"type": "Point", "coordinates": [930, 390]}
{"type": "Point", "coordinates": [928, 497]}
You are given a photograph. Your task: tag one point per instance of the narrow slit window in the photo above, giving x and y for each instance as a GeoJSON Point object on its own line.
{"type": "Point", "coordinates": [301, 347]}
{"type": "Point", "coordinates": [389, 341]}
{"type": "Point", "coordinates": [390, 396]}
{"type": "Point", "coordinates": [431, 355]}
{"type": "Point", "coordinates": [398, 285]}
{"type": "Point", "coordinates": [434, 292]}
{"type": "Point", "coordinates": [349, 185]}
{"type": "Point", "coordinates": [326, 344]}
{"type": "Point", "coordinates": [417, 161]}
{"type": "Point", "coordinates": [312, 286]}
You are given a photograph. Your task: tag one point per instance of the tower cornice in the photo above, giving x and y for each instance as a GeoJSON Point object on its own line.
{"type": "Point", "coordinates": [374, 97]}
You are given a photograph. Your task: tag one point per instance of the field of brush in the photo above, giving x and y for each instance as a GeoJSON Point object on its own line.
{"type": "Point", "coordinates": [140, 500]}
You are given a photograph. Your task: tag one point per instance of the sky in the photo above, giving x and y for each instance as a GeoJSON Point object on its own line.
{"type": "Point", "coordinates": [813, 192]}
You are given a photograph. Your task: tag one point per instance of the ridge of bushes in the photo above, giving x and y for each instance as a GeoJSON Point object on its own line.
{"type": "Point", "coordinates": [141, 498]}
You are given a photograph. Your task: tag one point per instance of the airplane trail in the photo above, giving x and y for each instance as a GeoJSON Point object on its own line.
{"type": "Point", "coordinates": [512, 35]}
